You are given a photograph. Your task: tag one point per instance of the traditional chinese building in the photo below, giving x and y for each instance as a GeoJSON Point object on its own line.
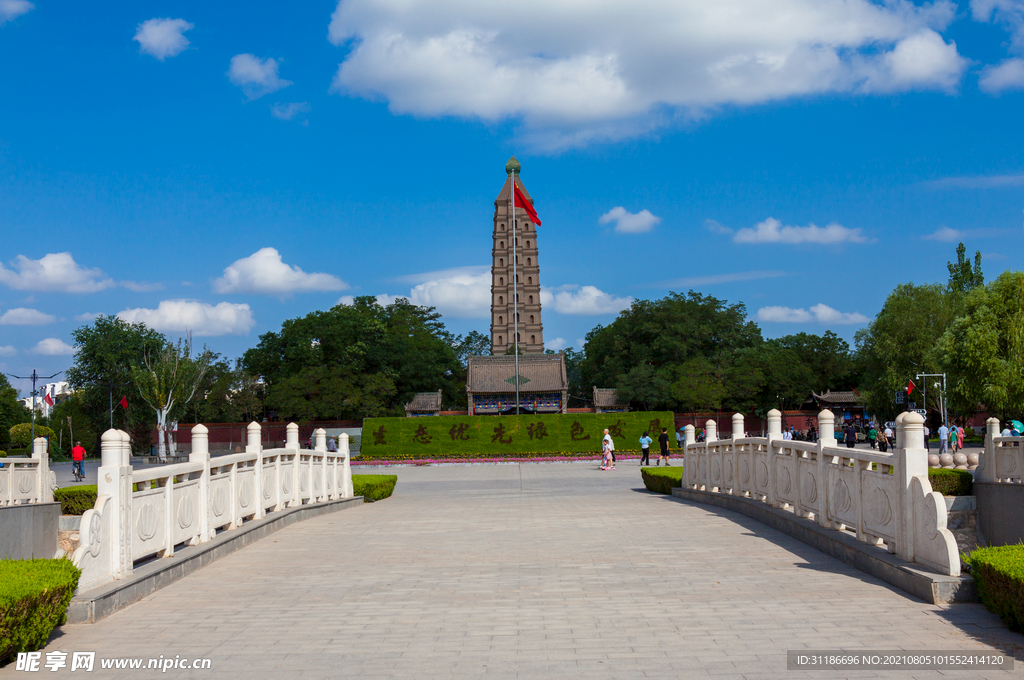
{"type": "Point", "coordinates": [503, 308]}
{"type": "Point", "coordinates": [424, 404]}
{"type": "Point", "coordinates": [607, 401]}
{"type": "Point", "coordinates": [846, 405]}
{"type": "Point", "coordinates": [491, 383]}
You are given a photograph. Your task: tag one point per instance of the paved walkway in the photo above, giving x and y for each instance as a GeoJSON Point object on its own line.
{"type": "Point", "coordinates": [527, 571]}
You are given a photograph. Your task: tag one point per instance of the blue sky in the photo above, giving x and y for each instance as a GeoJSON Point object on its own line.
{"type": "Point", "coordinates": [222, 168]}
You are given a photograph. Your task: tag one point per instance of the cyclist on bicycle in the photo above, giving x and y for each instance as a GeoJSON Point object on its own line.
{"type": "Point", "coordinates": [78, 461]}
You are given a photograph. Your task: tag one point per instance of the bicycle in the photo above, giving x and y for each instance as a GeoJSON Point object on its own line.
{"type": "Point", "coordinates": [77, 468]}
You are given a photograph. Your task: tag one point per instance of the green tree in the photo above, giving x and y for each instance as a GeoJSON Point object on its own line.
{"type": "Point", "coordinates": [663, 335]}
{"type": "Point", "coordinates": [71, 423]}
{"type": "Point", "coordinates": [697, 386]}
{"type": "Point", "coordinates": [167, 379]}
{"type": "Point", "coordinates": [900, 343]}
{"type": "Point", "coordinates": [984, 349]}
{"type": "Point", "coordinates": [474, 344]}
{"type": "Point", "coordinates": [12, 411]}
{"type": "Point", "coordinates": [963, 278]}
{"type": "Point", "coordinates": [107, 349]}
{"type": "Point", "coordinates": [405, 347]}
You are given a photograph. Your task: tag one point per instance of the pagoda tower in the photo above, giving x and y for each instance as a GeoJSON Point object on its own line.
{"type": "Point", "coordinates": [531, 330]}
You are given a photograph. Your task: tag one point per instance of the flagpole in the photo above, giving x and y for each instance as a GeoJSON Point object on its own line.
{"type": "Point", "coordinates": [515, 286]}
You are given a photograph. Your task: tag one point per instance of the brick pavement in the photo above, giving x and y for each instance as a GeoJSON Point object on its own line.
{"type": "Point", "coordinates": [527, 571]}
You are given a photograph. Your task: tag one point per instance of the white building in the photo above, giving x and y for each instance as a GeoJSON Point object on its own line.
{"type": "Point", "coordinates": [57, 391]}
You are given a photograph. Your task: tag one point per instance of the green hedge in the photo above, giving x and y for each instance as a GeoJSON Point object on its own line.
{"type": "Point", "coordinates": [75, 500]}
{"type": "Point", "coordinates": [662, 479]}
{"type": "Point", "coordinates": [951, 482]}
{"type": "Point", "coordinates": [498, 436]}
{"type": "Point", "coordinates": [999, 573]}
{"type": "Point", "coordinates": [374, 487]}
{"type": "Point", "coordinates": [34, 597]}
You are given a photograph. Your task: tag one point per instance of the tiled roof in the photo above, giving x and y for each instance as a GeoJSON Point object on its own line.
{"type": "Point", "coordinates": [606, 398]}
{"type": "Point", "coordinates": [425, 401]}
{"type": "Point", "coordinates": [496, 375]}
{"type": "Point", "coordinates": [830, 397]}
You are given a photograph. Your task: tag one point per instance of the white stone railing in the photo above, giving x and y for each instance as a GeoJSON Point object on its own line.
{"type": "Point", "coordinates": [146, 513]}
{"type": "Point", "coordinates": [884, 498]}
{"type": "Point", "coordinates": [27, 480]}
{"type": "Point", "coordinates": [1003, 460]}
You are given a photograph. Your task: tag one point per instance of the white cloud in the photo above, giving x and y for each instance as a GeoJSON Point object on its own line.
{"type": "Point", "coordinates": [582, 300]}
{"type": "Point", "coordinates": [944, 234]}
{"type": "Point", "coordinates": [716, 228]}
{"type": "Point", "coordinates": [199, 318]}
{"type": "Point", "coordinates": [88, 316]}
{"type": "Point", "coordinates": [818, 313]}
{"type": "Point", "coordinates": [53, 347]}
{"type": "Point", "coordinates": [458, 295]}
{"type": "Point", "coordinates": [629, 223]}
{"type": "Point", "coordinates": [20, 316]}
{"type": "Point", "coordinates": [556, 344]}
{"type": "Point", "coordinates": [1008, 75]}
{"type": "Point", "coordinates": [265, 273]}
{"type": "Point", "coordinates": [11, 9]}
{"type": "Point", "coordinates": [142, 286]}
{"type": "Point", "coordinates": [162, 38]}
{"type": "Point", "coordinates": [773, 231]}
{"type": "Point", "coordinates": [289, 111]}
{"type": "Point", "coordinates": [255, 76]}
{"type": "Point", "coordinates": [711, 279]}
{"type": "Point", "coordinates": [976, 182]}
{"type": "Point", "coordinates": [7, 351]}
{"type": "Point", "coordinates": [620, 69]}
{"type": "Point", "coordinates": [54, 272]}
{"type": "Point", "coordinates": [1009, 13]}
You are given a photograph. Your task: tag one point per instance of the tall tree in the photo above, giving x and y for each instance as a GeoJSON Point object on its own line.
{"type": "Point", "coordinates": [984, 349]}
{"type": "Point", "coordinates": [106, 350]}
{"type": "Point", "coordinates": [12, 411]}
{"type": "Point", "coordinates": [900, 343]}
{"type": "Point", "coordinates": [167, 379]}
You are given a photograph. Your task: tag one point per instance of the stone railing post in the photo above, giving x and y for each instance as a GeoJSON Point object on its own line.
{"type": "Point", "coordinates": [690, 463]}
{"type": "Point", "coordinates": [774, 434]}
{"type": "Point", "coordinates": [114, 480]}
{"type": "Point", "coordinates": [986, 470]}
{"type": "Point", "coordinates": [711, 431]}
{"type": "Point", "coordinates": [321, 470]}
{"type": "Point", "coordinates": [254, 444]}
{"type": "Point", "coordinates": [44, 485]}
{"type": "Point", "coordinates": [826, 438]}
{"type": "Point", "coordinates": [710, 436]}
{"type": "Point", "coordinates": [347, 490]}
{"type": "Point", "coordinates": [126, 448]}
{"type": "Point", "coordinates": [201, 454]}
{"type": "Point", "coordinates": [911, 461]}
{"type": "Point", "coordinates": [689, 437]}
{"type": "Point", "coordinates": [737, 426]}
{"type": "Point", "coordinates": [292, 437]}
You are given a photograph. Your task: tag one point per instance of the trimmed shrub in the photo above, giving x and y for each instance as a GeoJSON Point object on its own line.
{"type": "Point", "coordinates": [951, 482]}
{"type": "Point", "coordinates": [75, 500]}
{"type": "Point", "coordinates": [439, 437]}
{"type": "Point", "coordinates": [34, 597]}
{"type": "Point", "coordinates": [999, 573]}
{"type": "Point", "coordinates": [662, 479]}
{"type": "Point", "coordinates": [374, 487]}
{"type": "Point", "coordinates": [21, 435]}
{"type": "Point", "coordinates": [3, 454]}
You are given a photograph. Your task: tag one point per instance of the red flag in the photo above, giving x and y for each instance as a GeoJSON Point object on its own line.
{"type": "Point", "coordinates": [124, 403]}
{"type": "Point", "coordinates": [523, 202]}
{"type": "Point", "coordinates": [910, 387]}
{"type": "Point", "coordinates": [48, 399]}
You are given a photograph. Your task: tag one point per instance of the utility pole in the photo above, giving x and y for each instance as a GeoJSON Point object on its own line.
{"type": "Point", "coordinates": [942, 394]}
{"type": "Point", "coordinates": [35, 377]}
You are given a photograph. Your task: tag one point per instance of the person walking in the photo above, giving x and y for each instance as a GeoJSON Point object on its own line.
{"type": "Point", "coordinates": [943, 439]}
{"type": "Point", "coordinates": [927, 433]}
{"type": "Point", "coordinates": [850, 434]}
{"type": "Point", "coordinates": [331, 445]}
{"type": "Point", "coordinates": [952, 438]}
{"type": "Point", "coordinates": [883, 442]}
{"type": "Point", "coordinates": [679, 439]}
{"type": "Point", "coordinates": [78, 461]}
{"type": "Point", "coordinates": [663, 443]}
{"type": "Point", "coordinates": [872, 437]}
{"type": "Point", "coordinates": [960, 437]}
{"type": "Point", "coordinates": [645, 449]}
{"type": "Point", "coordinates": [608, 447]}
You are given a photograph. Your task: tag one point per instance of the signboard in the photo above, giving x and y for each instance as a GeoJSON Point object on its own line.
{"type": "Point", "coordinates": [912, 406]}
{"type": "Point", "coordinates": [921, 411]}
{"type": "Point", "coordinates": [901, 397]}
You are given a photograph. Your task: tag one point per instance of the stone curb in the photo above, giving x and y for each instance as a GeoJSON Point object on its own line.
{"type": "Point", "coordinates": [101, 602]}
{"type": "Point", "coordinates": [923, 584]}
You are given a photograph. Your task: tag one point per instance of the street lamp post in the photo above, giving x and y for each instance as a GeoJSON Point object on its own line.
{"type": "Point", "coordinates": [35, 377]}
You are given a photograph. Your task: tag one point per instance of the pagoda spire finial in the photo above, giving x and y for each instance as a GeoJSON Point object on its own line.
{"type": "Point", "coordinates": [512, 166]}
